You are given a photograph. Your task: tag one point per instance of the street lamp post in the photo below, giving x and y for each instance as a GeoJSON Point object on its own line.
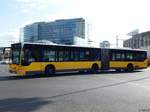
{"type": "Point", "coordinates": [117, 41]}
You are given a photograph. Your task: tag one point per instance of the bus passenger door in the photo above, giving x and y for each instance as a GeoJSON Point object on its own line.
{"type": "Point", "coordinates": [104, 59]}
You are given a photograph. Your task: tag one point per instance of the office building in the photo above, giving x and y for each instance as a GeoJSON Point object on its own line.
{"type": "Point", "coordinates": [65, 31]}
{"type": "Point", "coordinates": [139, 41]}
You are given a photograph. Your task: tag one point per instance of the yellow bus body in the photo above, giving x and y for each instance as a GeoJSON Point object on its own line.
{"type": "Point", "coordinates": [59, 66]}
{"type": "Point", "coordinates": [65, 66]}
{"type": "Point", "coordinates": [35, 58]}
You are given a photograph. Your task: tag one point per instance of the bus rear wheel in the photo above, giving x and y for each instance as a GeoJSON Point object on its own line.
{"type": "Point", "coordinates": [130, 68]}
{"type": "Point", "coordinates": [50, 70]}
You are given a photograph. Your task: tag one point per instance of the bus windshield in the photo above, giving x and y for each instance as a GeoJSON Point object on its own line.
{"type": "Point", "coordinates": [16, 56]}
{"type": "Point", "coordinates": [15, 53]}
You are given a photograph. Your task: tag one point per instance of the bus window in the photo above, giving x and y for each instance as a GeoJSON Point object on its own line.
{"type": "Point", "coordinates": [82, 56]}
{"type": "Point", "coordinates": [139, 56]}
{"type": "Point", "coordinates": [30, 56]}
{"type": "Point", "coordinates": [118, 57]}
{"type": "Point", "coordinates": [26, 57]}
{"type": "Point", "coordinates": [66, 56]}
{"type": "Point", "coordinates": [94, 55]}
{"type": "Point", "coordinates": [143, 56]}
{"type": "Point", "coordinates": [76, 55]}
{"type": "Point", "coordinates": [15, 56]}
{"type": "Point", "coordinates": [113, 57]}
{"type": "Point", "coordinates": [129, 56]}
{"type": "Point", "coordinates": [34, 56]}
{"type": "Point", "coordinates": [71, 55]}
{"type": "Point", "coordinates": [87, 55]}
{"type": "Point", "coordinates": [122, 56]}
{"type": "Point", "coordinates": [49, 56]}
{"type": "Point", "coordinates": [60, 55]}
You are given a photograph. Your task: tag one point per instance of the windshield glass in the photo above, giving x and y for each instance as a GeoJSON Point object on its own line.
{"type": "Point", "coordinates": [15, 56]}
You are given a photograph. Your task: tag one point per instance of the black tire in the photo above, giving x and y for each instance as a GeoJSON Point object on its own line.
{"type": "Point", "coordinates": [130, 68]}
{"type": "Point", "coordinates": [50, 70]}
{"type": "Point", "coordinates": [94, 68]}
{"type": "Point", "coordinates": [81, 71]}
{"type": "Point", "coordinates": [118, 70]}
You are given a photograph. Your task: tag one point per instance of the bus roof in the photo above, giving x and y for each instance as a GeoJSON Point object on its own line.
{"type": "Point", "coordinates": [130, 49]}
{"type": "Point", "coordinates": [51, 44]}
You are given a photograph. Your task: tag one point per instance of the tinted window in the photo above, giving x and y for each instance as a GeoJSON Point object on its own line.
{"type": "Point", "coordinates": [30, 55]}
{"type": "Point", "coordinates": [125, 55]}
{"type": "Point", "coordinates": [49, 56]}
{"type": "Point", "coordinates": [94, 55]}
{"type": "Point", "coordinates": [76, 55]}
{"type": "Point", "coordinates": [129, 56]}
{"type": "Point", "coordinates": [71, 55]}
{"type": "Point", "coordinates": [140, 56]}
{"type": "Point", "coordinates": [60, 55]}
{"type": "Point", "coordinates": [82, 55]}
{"type": "Point", "coordinates": [16, 56]}
{"type": "Point", "coordinates": [66, 56]}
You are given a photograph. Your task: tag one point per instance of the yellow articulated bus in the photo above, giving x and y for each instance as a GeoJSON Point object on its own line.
{"type": "Point", "coordinates": [38, 58]}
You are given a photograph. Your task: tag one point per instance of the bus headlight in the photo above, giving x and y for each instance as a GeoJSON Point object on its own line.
{"type": "Point", "coordinates": [21, 71]}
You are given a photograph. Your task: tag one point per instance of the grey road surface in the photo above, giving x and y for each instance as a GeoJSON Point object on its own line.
{"type": "Point", "coordinates": [75, 92]}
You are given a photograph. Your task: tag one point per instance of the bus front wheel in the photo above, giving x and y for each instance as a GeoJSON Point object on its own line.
{"type": "Point", "coordinates": [94, 68]}
{"type": "Point", "coordinates": [50, 70]}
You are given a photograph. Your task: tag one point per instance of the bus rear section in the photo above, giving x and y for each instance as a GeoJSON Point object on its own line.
{"type": "Point", "coordinates": [124, 59]}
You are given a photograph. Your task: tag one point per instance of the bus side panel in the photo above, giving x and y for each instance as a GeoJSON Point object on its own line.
{"type": "Point", "coordinates": [139, 64]}
{"type": "Point", "coordinates": [121, 64]}
{"type": "Point", "coordinates": [39, 67]}
{"type": "Point", "coordinates": [34, 67]}
{"type": "Point", "coordinates": [71, 65]}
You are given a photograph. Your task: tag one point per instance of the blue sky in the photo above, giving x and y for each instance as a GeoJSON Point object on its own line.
{"type": "Point", "coordinates": [107, 18]}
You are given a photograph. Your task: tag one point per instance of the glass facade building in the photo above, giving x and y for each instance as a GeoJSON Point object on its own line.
{"type": "Point", "coordinates": [60, 31]}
